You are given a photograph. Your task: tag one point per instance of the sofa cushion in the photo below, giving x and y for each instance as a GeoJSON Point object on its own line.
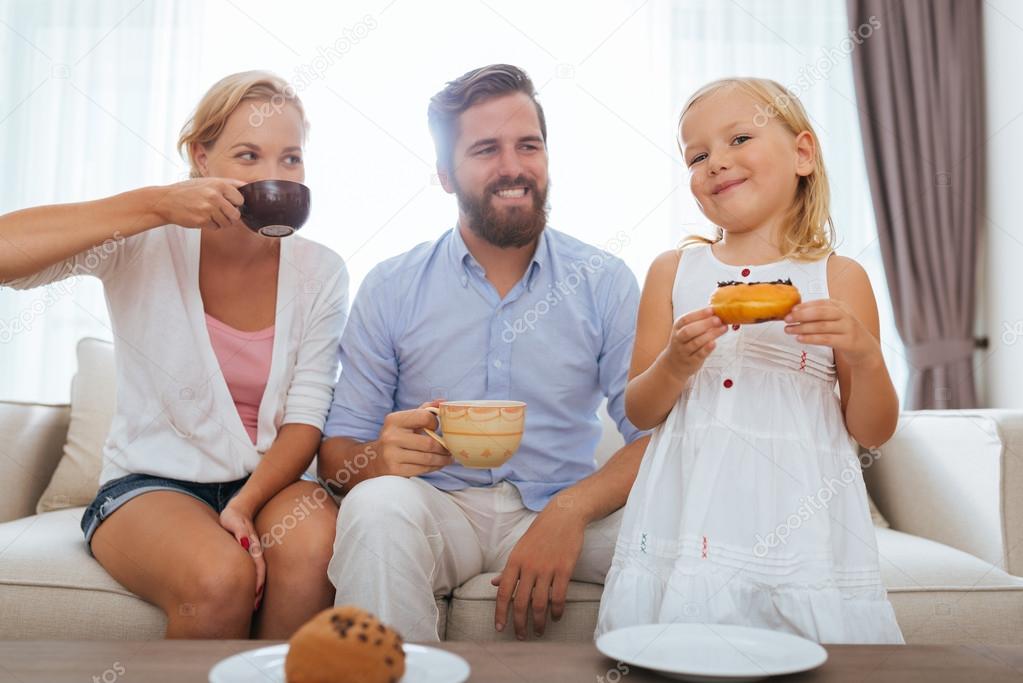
{"type": "Point", "coordinates": [471, 615]}
{"type": "Point", "coordinates": [31, 436]}
{"type": "Point", "coordinates": [76, 479]}
{"type": "Point", "coordinates": [945, 596]}
{"type": "Point", "coordinates": [953, 476]}
{"type": "Point", "coordinates": [940, 595]}
{"type": "Point", "coordinates": [52, 588]}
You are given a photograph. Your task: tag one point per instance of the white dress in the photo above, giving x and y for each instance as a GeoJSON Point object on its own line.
{"type": "Point", "coordinates": [749, 507]}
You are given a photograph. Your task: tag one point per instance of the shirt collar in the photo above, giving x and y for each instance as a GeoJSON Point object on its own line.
{"type": "Point", "coordinates": [467, 263]}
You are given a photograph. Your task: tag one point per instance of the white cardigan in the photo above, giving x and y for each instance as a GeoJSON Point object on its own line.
{"type": "Point", "coordinates": [175, 417]}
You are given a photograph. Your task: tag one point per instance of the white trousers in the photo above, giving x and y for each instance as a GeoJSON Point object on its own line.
{"type": "Point", "coordinates": [401, 541]}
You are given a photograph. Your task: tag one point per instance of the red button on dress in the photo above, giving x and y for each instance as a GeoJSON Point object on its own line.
{"type": "Point", "coordinates": [745, 272]}
{"type": "Point", "coordinates": [735, 327]}
{"type": "Point", "coordinates": [728, 384]}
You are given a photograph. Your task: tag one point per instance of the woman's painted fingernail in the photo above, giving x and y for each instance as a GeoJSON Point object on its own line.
{"type": "Point", "coordinates": [245, 542]}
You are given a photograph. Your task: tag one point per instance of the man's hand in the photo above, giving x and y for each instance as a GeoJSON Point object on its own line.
{"type": "Point", "coordinates": [403, 449]}
{"type": "Point", "coordinates": [539, 569]}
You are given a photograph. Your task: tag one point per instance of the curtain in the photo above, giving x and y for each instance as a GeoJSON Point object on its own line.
{"type": "Point", "coordinates": [919, 80]}
{"type": "Point", "coordinates": [90, 104]}
{"type": "Point", "coordinates": [611, 87]}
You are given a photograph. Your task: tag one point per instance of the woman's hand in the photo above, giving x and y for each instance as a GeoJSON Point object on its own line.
{"type": "Point", "coordinates": [829, 322]}
{"type": "Point", "coordinates": [207, 203]}
{"type": "Point", "coordinates": [692, 340]}
{"type": "Point", "coordinates": [241, 527]}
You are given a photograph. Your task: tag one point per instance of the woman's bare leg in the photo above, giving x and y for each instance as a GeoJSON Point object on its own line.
{"type": "Point", "coordinates": [296, 529]}
{"type": "Point", "coordinates": [169, 549]}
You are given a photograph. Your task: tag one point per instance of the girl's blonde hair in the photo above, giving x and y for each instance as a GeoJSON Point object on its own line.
{"type": "Point", "coordinates": [220, 101]}
{"type": "Point", "coordinates": [811, 233]}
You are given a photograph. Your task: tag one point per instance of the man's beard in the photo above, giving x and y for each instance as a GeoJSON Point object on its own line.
{"type": "Point", "coordinates": [509, 228]}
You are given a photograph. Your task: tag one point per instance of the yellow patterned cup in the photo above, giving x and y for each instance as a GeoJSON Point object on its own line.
{"type": "Point", "coordinates": [480, 434]}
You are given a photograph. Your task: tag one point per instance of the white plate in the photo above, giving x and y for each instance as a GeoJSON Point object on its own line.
{"type": "Point", "coordinates": [266, 665]}
{"type": "Point", "coordinates": [712, 652]}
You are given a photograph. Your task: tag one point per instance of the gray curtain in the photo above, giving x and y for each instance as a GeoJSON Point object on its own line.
{"type": "Point", "coordinates": [920, 94]}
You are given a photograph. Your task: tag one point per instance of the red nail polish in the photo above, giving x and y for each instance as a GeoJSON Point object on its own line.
{"type": "Point", "coordinates": [245, 542]}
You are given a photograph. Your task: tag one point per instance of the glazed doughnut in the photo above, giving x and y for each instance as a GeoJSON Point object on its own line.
{"type": "Point", "coordinates": [741, 303]}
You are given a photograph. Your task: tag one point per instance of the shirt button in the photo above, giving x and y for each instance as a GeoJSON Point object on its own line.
{"type": "Point", "coordinates": [728, 384]}
{"type": "Point", "coordinates": [745, 272]}
{"type": "Point", "coordinates": [497, 363]}
{"type": "Point", "coordinates": [735, 327]}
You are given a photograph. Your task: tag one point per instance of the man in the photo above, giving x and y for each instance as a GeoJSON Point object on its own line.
{"type": "Point", "coordinates": [500, 307]}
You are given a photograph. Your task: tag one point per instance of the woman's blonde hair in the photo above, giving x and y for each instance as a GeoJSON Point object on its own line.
{"type": "Point", "coordinates": [220, 101]}
{"type": "Point", "coordinates": [811, 233]}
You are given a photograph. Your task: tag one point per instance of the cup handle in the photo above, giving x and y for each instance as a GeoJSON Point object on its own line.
{"type": "Point", "coordinates": [432, 434]}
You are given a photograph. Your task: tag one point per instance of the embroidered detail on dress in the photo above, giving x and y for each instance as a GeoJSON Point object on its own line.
{"type": "Point", "coordinates": [802, 361]}
{"type": "Point", "coordinates": [703, 552]}
{"type": "Point", "coordinates": [642, 543]}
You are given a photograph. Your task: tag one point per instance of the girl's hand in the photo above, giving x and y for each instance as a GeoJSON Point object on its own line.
{"type": "Point", "coordinates": [207, 203]}
{"type": "Point", "coordinates": [241, 527]}
{"type": "Point", "coordinates": [828, 322]}
{"type": "Point", "coordinates": [692, 340]}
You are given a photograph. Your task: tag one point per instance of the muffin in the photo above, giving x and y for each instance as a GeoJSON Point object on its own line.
{"type": "Point", "coordinates": [345, 645]}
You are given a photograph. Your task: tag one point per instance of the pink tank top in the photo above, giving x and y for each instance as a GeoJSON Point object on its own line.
{"type": "Point", "coordinates": [244, 359]}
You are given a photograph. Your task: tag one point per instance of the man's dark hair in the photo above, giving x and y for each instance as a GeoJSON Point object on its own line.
{"type": "Point", "coordinates": [467, 90]}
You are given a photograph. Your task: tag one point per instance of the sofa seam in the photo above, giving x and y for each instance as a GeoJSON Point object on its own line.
{"type": "Point", "coordinates": [42, 584]}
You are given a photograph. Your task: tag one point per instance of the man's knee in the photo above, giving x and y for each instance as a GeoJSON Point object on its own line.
{"type": "Point", "coordinates": [382, 502]}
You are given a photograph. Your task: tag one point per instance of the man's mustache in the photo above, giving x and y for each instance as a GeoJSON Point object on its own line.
{"type": "Point", "coordinates": [509, 183]}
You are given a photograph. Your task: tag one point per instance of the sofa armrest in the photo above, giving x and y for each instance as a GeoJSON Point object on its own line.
{"type": "Point", "coordinates": [32, 439]}
{"type": "Point", "coordinates": [956, 477]}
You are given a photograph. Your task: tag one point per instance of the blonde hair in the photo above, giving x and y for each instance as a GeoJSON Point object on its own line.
{"type": "Point", "coordinates": [811, 233]}
{"type": "Point", "coordinates": [220, 101]}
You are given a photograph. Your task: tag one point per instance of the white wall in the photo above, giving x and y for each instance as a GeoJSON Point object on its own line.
{"type": "Point", "coordinates": [1002, 258]}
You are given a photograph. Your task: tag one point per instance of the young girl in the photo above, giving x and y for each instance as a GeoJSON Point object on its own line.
{"type": "Point", "coordinates": [226, 351]}
{"type": "Point", "coordinates": [749, 507]}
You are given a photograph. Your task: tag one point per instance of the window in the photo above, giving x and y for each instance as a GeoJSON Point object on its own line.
{"type": "Point", "coordinates": [611, 86]}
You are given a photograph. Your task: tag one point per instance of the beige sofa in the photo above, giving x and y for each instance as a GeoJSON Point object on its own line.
{"type": "Point", "coordinates": [949, 483]}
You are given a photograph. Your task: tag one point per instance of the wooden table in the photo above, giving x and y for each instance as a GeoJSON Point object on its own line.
{"type": "Point", "coordinates": [504, 662]}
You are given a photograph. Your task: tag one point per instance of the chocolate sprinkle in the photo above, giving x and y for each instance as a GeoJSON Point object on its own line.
{"type": "Point", "coordinates": [341, 625]}
{"type": "Point", "coordinates": [729, 283]}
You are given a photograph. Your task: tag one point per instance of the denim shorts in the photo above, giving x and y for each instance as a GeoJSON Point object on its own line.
{"type": "Point", "coordinates": [117, 492]}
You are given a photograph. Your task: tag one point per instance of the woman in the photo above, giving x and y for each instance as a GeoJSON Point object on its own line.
{"type": "Point", "coordinates": [226, 357]}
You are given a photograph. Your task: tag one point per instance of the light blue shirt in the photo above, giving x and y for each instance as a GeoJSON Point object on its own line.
{"type": "Point", "coordinates": [428, 325]}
